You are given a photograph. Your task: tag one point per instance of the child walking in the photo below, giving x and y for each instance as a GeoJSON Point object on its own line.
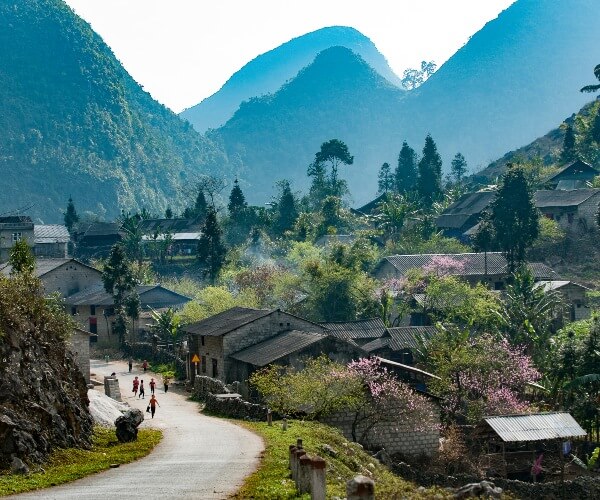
{"type": "Point", "coordinates": [136, 384]}
{"type": "Point", "coordinates": [152, 385]}
{"type": "Point", "coordinates": [142, 390]}
{"type": "Point", "coordinates": [153, 403]}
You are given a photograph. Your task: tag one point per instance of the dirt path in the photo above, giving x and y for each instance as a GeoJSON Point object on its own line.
{"type": "Point", "coordinates": [199, 457]}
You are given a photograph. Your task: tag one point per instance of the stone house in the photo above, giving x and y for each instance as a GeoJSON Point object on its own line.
{"type": "Point", "coordinates": [576, 175]}
{"type": "Point", "coordinates": [14, 228]}
{"type": "Point", "coordinates": [359, 332]}
{"type": "Point", "coordinates": [51, 241]}
{"type": "Point", "coordinates": [94, 240]}
{"type": "Point", "coordinates": [231, 344]}
{"type": "Point", "coordinates": [64, 276]}
{"type": "Point", "coordinates": [93, 309]}
{"type": "Point", "coordinates": [490, 268]}
{"type": "Point", "coordinates": [574, 296]}
{"type": "Point", "coordinates": [574, 210]}
{"type": "Point", "coordinates": [183, 234]}
{"type": "Point", "coordinates": [400, 344]}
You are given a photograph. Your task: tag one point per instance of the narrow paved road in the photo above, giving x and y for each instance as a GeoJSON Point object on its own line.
{"type": "Point", "coordinates": [199, 457]}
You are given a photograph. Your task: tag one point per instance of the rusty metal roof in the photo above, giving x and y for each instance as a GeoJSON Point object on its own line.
{"type": "Point", "coordinates": [535, 427]}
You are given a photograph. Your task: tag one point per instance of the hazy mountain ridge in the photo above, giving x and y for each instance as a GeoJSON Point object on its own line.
{"type": "Point", "coordinates": [268, 72]}
{"type": "Point", "coordinates": [514, 80]}
{"type": "Point", "coordinates": [75, 122]}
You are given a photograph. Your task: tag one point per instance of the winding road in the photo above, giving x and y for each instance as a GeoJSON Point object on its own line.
{"type": "Point", "coordinates": [199, 457]}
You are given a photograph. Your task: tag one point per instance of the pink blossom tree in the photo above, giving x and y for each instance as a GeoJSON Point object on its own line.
{"type": "Point", "coordinates": [444, 265]}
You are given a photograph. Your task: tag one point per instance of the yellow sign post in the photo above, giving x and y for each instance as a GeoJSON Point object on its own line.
{"type": "Point", "coordinates": [195, 360]}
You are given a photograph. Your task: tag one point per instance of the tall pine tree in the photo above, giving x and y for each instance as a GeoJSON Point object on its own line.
{"type": "Point", "coordinates": [287, 213]}
{"type": "Point", "coordinates": [429, 183]}
{"type": "Point", "coordinates": [458, 168]}
{"type": "Point", "coordinates": [211, 251]}
{"type": "Point", "coordinates": [568, 152]}
{"type": "Point", "coordinates": [71, 217]}
{"type": "Point", "coordinates": [406, 171]}
{"type": "Point", "coordinates": [237, 201]}
{"type": "Point", "coordinates": [514, 217]}
{"type": "Point", "coordinates": [386, 181]}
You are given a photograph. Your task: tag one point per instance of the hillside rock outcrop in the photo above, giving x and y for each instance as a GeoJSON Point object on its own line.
{"type": "Point", "coordinates": [43, 394]}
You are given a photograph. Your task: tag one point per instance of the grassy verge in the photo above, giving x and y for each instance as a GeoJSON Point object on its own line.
{"type": "Point", "coordinates": [272, 479]}
{"type": "Point", "coordinates": [70, 464]}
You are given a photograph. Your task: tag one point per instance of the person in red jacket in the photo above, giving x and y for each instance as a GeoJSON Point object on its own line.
{"type": "Point", "coordinates": [145, 365]}
{"type": "Point", "coordinates": [136, 384]}
{"type": "Point", "coordinates": [153, 403]}
{"type": "Point", "coordinates": [152, 385]}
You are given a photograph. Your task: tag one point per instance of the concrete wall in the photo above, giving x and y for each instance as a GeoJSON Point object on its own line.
{"type": "Point", "coordinates": [395, 437]}
{"type": "Point", "coordinates": [53, 250]}
{"type": "Point", "coordinates": [6, 237]}
{"type": "Point", "coordinates": [79, 344]}
{"type": "Point", "coordinates": [71, 277]}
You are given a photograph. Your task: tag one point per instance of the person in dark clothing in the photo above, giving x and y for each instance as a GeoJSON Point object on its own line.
{"type": "Point", "coordinates": [153, 403]}
{"type": "Point", "coordinates": [145, 365]}
{"type": "Point", "coordinates": [166, 382]}
{"type": "Point", "coordinates": [130, 364]}
{"type": "Point", "coordinates": [152, 385]}
{"type": "Point", "coordinates": [142, 392]}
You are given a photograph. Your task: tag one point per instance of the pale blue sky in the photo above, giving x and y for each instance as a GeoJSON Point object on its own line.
{"type": "Point", "coordinates": [182, 51]}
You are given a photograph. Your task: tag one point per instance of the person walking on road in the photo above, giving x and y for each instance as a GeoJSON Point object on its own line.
{"type": "Point", "coordinates": [130, 364]}
{"type": "Point", "coordinates": [145, 365]}
{"type": "Point", "coordinates": [152, 385]}
{"type": "Point", "coordinates": [166, 383]}
{"type": "Point", "coordinates": [153, 403]}
{"type": "Point", "coordinates": [136, 384]}
{"type": "Point", "coordinates": [142, 392]}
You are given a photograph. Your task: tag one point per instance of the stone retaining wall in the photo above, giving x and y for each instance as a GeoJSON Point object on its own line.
{"type": "Point", "coordinates": [235, 408]}
{"type": "Point", "coordinates": [394, 437]}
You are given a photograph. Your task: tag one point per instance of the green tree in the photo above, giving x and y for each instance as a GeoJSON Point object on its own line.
{"type": "Point", "coordinates": [119, 281]}
{"type": "Point", "coordinates": [21, 258]}
{"type": "Point", "coordinates": [514, 217]}
{"type": "Point", "coordinates": [168, 213]}
{"type": "Point", "coordinates": [133, 308]}
{"type": "Point", "coordinates": [71, 218]}
{"type": "Point", "coordinates": [237, 202]}
{"type": "Point", "coordinates": [458, 168]}
{"type": "Point", "coordinates": [596, 87]}
{"type": "Point", "coordinates": [334, 153]}
{"type": "Point", "coordinates": [406, 170]}
{"type": "Point", "coordinates": [386, 181]}
{"type": "Point", "coordinates": [211, 251]}
{"type": "Point", "coordinates": [286, 209]}
{"type": "Point", "coordinates": [132, 241]}
{"type": "Point", "coordinates": [568, 152]}
{"type": "Point", "coordinates": [429, 182]}
{"type": "Point", "coordinates": [200, 206]}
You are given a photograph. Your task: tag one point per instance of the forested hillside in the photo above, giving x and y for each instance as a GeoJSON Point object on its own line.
{"type": "Point", "coordinates": [75, 123]}
{"type": "Point", "coordinates": [514, 80]}
{"type": "Point", "coordinates": [268, 72]}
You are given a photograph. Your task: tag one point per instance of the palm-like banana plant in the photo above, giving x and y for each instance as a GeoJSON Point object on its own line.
{"type": "Point", "coordinates": [593, 88]}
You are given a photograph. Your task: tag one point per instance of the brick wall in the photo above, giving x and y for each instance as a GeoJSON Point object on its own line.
{"type": "Point", "coordinates": [395, 437]}
{"type": "Point", "coordinates": [70, 278]}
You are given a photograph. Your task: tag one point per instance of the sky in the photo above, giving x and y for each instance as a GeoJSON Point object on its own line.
{"type": "Point", "coordinates": [182, 51]}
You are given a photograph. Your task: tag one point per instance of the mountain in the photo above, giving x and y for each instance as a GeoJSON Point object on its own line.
{"type": "Point", "coordinates": [268, 72]}
{"type": "Point", "coordinates": [511, 82]}
{"type": "Point", "coordinates": [75, 123]}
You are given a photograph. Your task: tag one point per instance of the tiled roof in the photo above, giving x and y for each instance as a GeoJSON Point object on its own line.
{"type": "Point", "coordinates": [101, 229]}
{"type": "Point", "coordinates": [44, 266]}
{"type": "Point", "coordinates": [557, 285]}
{"type": "Point", "coordinates": [562, 198]}
{"type": "Point", "coordinates": [372, 205]}
{"type": "Point", "coordinates": [277, 347]}
{"type": "Point", "coordinates": [174, 237]}
{"type": "Point", "coordinates": [377, 344]}
{"type": "Point", "coordinates": [535, 427]}
{"type": "Point", "coordinates": [407, 337]}
{"type": "Point", "coordinates": [361, 329]}
{"type": "Point", "coordinates": [50, 233]}
{"type": "Point", "coordinates": [226, 321]}
{"type": "Point", "coordinates": [471, 264]}
{"type": "Point", "coordinates": [464, 208]}
{"type": "Point", "coordinates": [15, 219]}
{"type": "Point", "coordinates": [99, 297]}
{"type": "Point", "coordinates": [574, 168]}
{"type": "Point", "coordinates": [149, 226]}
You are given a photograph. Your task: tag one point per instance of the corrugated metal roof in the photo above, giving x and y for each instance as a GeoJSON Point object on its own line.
{"type": "Point", "coordinates": [50, 233]}
{"type": "Point", "coordinates": [277, 347]}
{"type": "Point", "coordinates": [535, 427]}
{"type": "Point", "coordinates": [226, 321]}
{"type": "Point", "coordinates": [373, 328]}
{"type": "Point", "coordinates": [557, 284]}
{"type": "Point", "coordinates": [406, 337]}
{"type": "Point", "coordinates": [173, 236]}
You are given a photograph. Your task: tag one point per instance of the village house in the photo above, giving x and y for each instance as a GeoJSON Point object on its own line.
{"type": "Point", "coordinates": [51, 241]}
{"type": "Point", "coordinates": [95, 239]}
{"type": "Point", "coordinates": [574, 210]}
{"type": "Point", "coordinates": [400, 344]}
{"type": "Point", "coordinates": [14, 228]}
{"type": "Point", "coordinates": [64, 276]}
{"type": "Point", "coordinates": [94, 309]}
{"type": "Point", "coordinates": [573, 295]}
{"type": "Point", "coordinates": [576, 175]}
{"type": "Point", "coordinates": [232, 344]}
{"type": "Point", "coordinates": [181, 235]}
{"type": "Point", "coordinates": [359, 332]}
{"type": "Point", "coordinates": [489, 268]}
{"type": "Point", "coordinates": [464, 213]}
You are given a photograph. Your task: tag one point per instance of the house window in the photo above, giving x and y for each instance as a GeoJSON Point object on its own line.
{"type": "Point", "coordinates": [215, 368]}
{"type": "Point", "coordinates": [203, 364]}
{"type": "Point", "coordinates": [549, 216]}
{"type": "Point", "coordinates": [73, 310]}
{"type": "Point", "coordinates": [16, 237]}
{"type": "Point", "coordinates": [570, 218]}
{"type": "Point", "coordinates": [202, 339]}
{"type": "Point", "coordinates": [93, 310]}
{"type": "Point", "coordinates": [93, 325]}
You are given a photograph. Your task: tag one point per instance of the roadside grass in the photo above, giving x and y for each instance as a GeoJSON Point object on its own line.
{"type": "Point", "coordinates": [272, 479]}
{"type": "Point", "coordinates": [72, 463]}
